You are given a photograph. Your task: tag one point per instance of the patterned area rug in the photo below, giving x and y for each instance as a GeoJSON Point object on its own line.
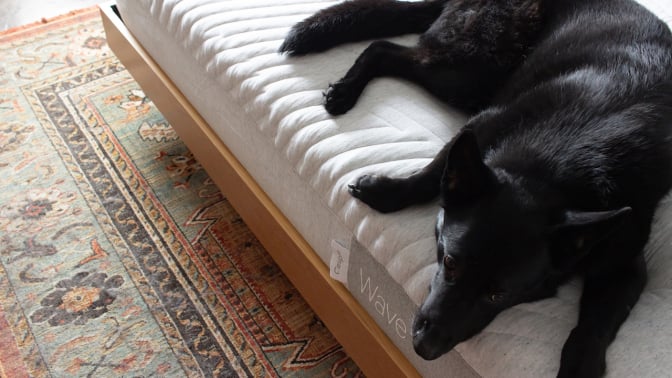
{"type": "Point", "coordinates": [118, 255]}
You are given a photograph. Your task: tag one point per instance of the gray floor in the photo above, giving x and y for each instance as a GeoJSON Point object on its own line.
{"type": "Point", "coordinates": [20, 12]}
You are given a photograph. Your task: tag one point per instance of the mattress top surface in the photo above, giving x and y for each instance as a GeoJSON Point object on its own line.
{"type": "Point", "coordinates": [396, 128]}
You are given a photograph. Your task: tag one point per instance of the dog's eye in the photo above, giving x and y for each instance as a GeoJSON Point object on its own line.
{"type": "Point", "coordinates": [449, 267]}
{"type": "Point", "coordinates": [496, 297]}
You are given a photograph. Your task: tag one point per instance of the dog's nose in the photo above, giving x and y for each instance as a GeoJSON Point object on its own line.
{"type": "Point", "coordinates": [420, 326]}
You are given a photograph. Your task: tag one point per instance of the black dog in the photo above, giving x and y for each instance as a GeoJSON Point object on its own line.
{"type": "Point", "coordinates": [559, 171]}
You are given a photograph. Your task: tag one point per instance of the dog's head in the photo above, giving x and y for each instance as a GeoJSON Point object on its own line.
{"type": "Point", "coordinates": [497, 246]}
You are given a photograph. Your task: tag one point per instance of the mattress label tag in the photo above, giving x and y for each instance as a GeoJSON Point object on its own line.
{"type": "Point", "coordinates": [340, 261]}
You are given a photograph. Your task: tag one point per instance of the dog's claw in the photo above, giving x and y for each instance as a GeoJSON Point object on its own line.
{"type": "Point", "coordinates": [325, 93]}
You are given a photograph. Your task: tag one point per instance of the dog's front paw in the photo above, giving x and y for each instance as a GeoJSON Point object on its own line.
{"type": "Point", "coordinates": [379, 192]}
{"type": "Point", "coordinates": [583, 356]}
{"type": "Point", "coordinates": [340, 97]}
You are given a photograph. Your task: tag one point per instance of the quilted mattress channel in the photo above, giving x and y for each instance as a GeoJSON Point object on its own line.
{"type": "Point", "coordinates": [395, 128]}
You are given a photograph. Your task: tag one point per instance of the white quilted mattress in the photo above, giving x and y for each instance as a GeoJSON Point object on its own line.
{"type": "Point", "coordinates": [267, 109]}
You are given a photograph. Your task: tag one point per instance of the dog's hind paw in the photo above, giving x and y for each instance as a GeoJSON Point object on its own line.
{"type": "Point", "coordinates": [306, 37]}
{"type": "Point", "coordinates": [294, 43]}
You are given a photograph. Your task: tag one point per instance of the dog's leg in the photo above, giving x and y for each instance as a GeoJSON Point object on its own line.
{"type": "Point", "coordinates": [463, 56]}
{"type": "Point", "coordinates": [386, 194]}
{"type": "Point", "coordinates": [381, 58]}
{"type": "Point", "coordinates": [465, 88]}
{"type": "Point", "coordinates": [359, 20]}
{"type": "Point", "coordinates": [458, 170]}
{"type": "Point", "coordinates": [605, 304]}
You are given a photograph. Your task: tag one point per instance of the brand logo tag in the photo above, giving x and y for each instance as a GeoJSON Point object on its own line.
{"type": "Point", "coordinates": [340, 261]}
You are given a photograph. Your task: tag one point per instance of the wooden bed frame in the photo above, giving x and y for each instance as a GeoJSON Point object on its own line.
{"type": "Point", "coordinates": [352, 326]}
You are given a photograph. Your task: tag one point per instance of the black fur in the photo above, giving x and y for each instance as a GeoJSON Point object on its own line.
{"type": "Point", "coordinates": [558, 172]}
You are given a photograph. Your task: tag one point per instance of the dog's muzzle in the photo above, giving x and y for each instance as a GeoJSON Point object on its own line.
{"type": "Point", "coordinates": [426, 342]}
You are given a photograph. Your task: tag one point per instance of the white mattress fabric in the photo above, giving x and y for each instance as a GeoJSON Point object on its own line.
{"type": "Point", "coordinates": [267, 109]}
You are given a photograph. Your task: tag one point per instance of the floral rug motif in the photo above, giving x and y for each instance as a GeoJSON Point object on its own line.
{"type": "Point", "coordinates": [118, 255]}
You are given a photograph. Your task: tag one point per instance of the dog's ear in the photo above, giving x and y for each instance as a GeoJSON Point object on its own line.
{"type": "Point", "coordinates": [465, 177]}
{"type": "Point", "coordinates": [578, 232]}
